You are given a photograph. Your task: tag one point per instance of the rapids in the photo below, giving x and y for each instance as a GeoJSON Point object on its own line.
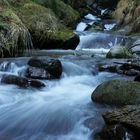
{"type": "Point", "coordinates": [63, 110]}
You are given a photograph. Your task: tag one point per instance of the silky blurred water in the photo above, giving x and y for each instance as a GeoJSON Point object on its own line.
{"type": "Point", "coordinates": [63, 110]}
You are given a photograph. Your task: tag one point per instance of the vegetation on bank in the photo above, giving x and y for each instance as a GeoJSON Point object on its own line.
{"type": "Point", "coordinates": [127, 15]}
{"type": "Point", "coordinates": [24, 22]}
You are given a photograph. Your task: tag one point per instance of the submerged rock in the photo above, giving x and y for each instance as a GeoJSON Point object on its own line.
{"type": "Point", "coordinates": [129, 116]}
{"type": "Point", "coordinates": [21, 81]}
{"type": "Point", "coordinates": [117, 92]}
{"type": "Point", "coordinates": [52, 67]}
{"type": "Point", "coordinates": [118, 52]}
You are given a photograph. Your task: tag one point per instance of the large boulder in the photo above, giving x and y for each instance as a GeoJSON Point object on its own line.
{"type": "Point", "coordinates": [127, 15]}
{"type": "Point", "coordinates": [46, 29]}
{"type": "Point", "coordinates": [65, 12]}
{"type": "Point", "coordinates": [79, 5]}
{"type": "Point", "coordinates": [117, 92]}
{"type": "Point", "coordinates": [118, 52]}
{"type": "Point", "coordinates": [129, 116]}
{"type": "Point", "coordinates": [46, 68]}
{"type": "Point", "coordinates": [21, 81]}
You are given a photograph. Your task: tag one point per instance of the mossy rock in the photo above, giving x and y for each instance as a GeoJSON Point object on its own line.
{"type": "Point", "coordinates": [65, 12]}
{"type": "Point", "coordinates": [107, 3]}
{"type": "Point", "coordinates": [118, 52]}
{"type": "Point", "coordinates": [117, 92]}
{"type": "Point", "coordinates": [127, 14]}
{"type": "Point", "coordinates": [136, 26]}
{"type": "Point", "coordinates": [14, 36]}
{"type": "Point", "coordinates": [46, 29]}
{"type": "Point", "coordinates": [19, 19]}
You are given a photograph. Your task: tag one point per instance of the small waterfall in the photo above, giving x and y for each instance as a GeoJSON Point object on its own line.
{"type": "Point", "coordinates": [98, 42]}
{"type": "Point", "coordinates": [81, 26]}
{"type": "Point", "coordinates": [12, 68]}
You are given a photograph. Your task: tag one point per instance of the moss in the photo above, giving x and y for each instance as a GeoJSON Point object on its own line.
{"type": "Point", "coordinates": [118, 52]}
{"type": "Point", "coordinates": [64, 12]}
{"type": "Point", "coordinates": [20, 18]}
{"type": "Point", "coordinates": [127, 14]}
{"type": "Point", "coordinates": [14, 35]}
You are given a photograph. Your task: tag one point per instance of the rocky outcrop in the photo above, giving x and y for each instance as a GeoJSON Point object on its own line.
{"type": "Point", "coordinates": [118, 52]}
{"type": "Point", "coordinates": [21, 81]}
{"type": "Point", "coordinates": [44, 68]}
{"type": "Point", "coordinates": [129, 116]}
{"type": "Point", "coordinates": [22, 27]}
{"type": "Point", "coordinates": [127, 15]}
{"type": "Point", "coordinates": [117, 92]}
{"type": "Point", "coordinates": [64, 12]}
{"type": "Point", "coordinates": [46, 29]}
{"type": "Point", "coordinates": [14, 36]}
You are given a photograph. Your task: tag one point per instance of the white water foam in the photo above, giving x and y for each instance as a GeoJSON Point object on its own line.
{"type": "Point", "coordinates": [81, 26]}
{"type": "Point", "coordinates": [92, 17]}
{"type": "Point", "coordinates": [109, 26]}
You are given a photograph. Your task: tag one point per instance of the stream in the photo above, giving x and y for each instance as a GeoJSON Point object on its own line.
{"type": "Point", "coordinates": [63, 110]}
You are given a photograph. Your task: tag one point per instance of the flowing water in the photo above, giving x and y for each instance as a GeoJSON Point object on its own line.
{"type": "Point", "coordinates": [63, 110]}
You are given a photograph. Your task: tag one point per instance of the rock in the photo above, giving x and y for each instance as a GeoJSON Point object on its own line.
{"type": "Point", "coordinates": [129, 116]}
{"type": "Point", "coordinates": [107, 3]}
{"type": "Point", "coordinates": [132, 72]}
{"type": "Point", "coordinates": [116, 132]}
{"type": "Point", "coordinates": [21, 81]}
{"type": "Point", "coordinates": [12, 79]}
{"type": "Point", "coordinates": [48, 31]}
{"type": "Point", "coordinates": [109, 68]}
{"type": "Point", "coordinates": [135, 48]}
{"type": "Point", "coordinates": [38, 73]}
{"type": "Point", "coordinates": [127, 16]}
{"type": "Point", "coordinates": [64, 12]}
{"type": "Point", "coordinates": [79, 5]}
{"type": "Point", "coordinates": [36, 83]}
{"type": "Point", "coordinates": [118, 52]}
{"type": "Point", "coordinates": [51, 66]}
{"type": "Point", "coordinates": [117, 92]}
{"type": "Point", "coordinates": [14, 36]}
{"type": "Point", "coordinates": [137, 78]}
{"type": "Point", "coordinates": [71, 43]}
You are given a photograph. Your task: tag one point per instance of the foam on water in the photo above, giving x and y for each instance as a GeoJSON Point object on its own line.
{"type": "Point", "coordinates": [109, 26]}
{"type": "Point", "coordinates": [92, 17]}
{"type": "Point", "coordinates": [81, 26]}
{"type": "Point", "coordinates": [57, 112]}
